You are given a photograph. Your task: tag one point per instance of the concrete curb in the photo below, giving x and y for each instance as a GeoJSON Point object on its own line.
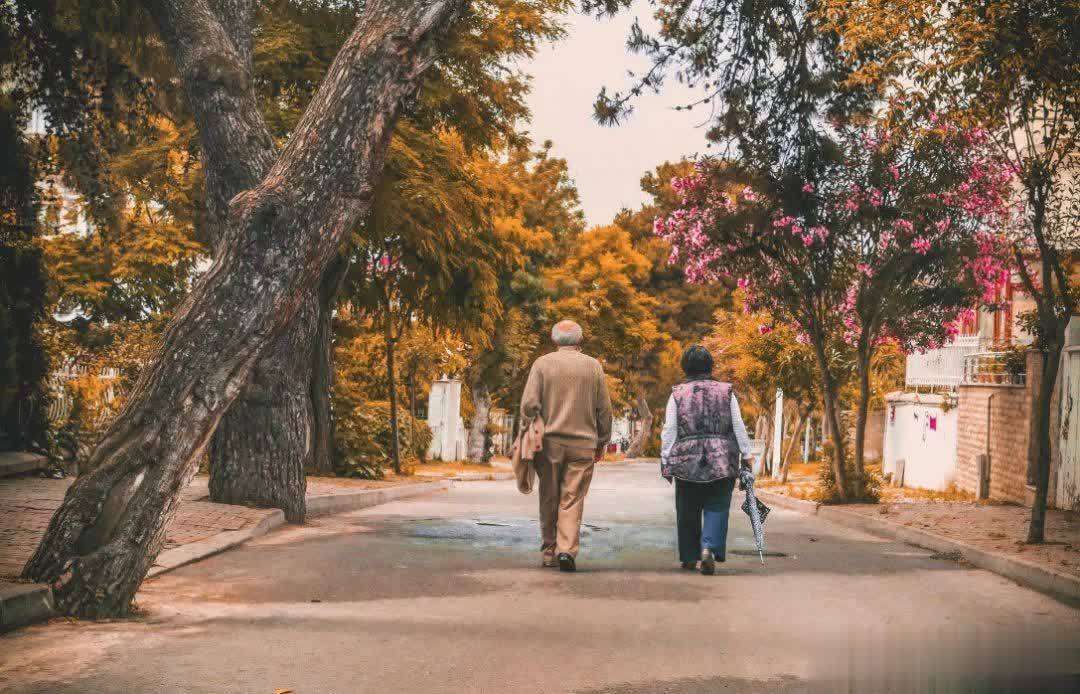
{"type": "Point", "coordinates": [18, 462]}
{"type": "Point", "coordinates": [1056, 584]}
{"type": "Point", "coordinates": [195, 551]}
{"type": "Point", "coordinates": [354, 501]}
{"type": "Point", "coordinates": [24, 603]}
{"type": "Point", "coordinates": [472, 476]}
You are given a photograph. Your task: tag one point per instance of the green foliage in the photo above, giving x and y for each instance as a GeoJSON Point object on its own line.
{"type": "Point", "coordinates": [599, 286]}
{"type": "Point", "coordinates": [23, 285]}
{"type": "Point", "coordinates": [23, 363]}
{"type": "Point", "coordinates": [826, 491]}
{"type": "Point", "coordinates": [362, 439]}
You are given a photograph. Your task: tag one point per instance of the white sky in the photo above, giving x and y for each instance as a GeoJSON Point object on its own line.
{"type": "Point", "coordinates": [607, 162]}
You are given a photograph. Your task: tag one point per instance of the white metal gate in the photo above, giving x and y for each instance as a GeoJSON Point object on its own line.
{"type": "Point", "coordinates": [1067, 487]}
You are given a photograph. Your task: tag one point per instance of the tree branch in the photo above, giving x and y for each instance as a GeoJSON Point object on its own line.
{"type": "Point", "coordinates": [211, 48]}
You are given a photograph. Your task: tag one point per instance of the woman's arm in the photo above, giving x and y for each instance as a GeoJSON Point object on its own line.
{"type": "Point", "coordinates": [670, 432]}
{"type": "Point", "coordinates": [740, 428]}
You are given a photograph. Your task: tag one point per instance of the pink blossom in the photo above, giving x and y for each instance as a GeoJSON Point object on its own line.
{"type": "Point", "coordinates": [921, 245]}
{"type": "Point", "coordinates": [808, 188]}
{"type": "Point", "coordinates": [764, 329]}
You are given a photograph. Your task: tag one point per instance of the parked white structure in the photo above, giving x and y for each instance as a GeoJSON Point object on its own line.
{"type": "Point", "coordinates": [920, 434]}
{"type": "Point", "coordinates": [448, 439]}
{"type": "Point", "coordinates": [920, 440]}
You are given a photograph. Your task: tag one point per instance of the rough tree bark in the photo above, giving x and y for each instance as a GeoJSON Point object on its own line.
{"type": "Point", "coordinates": [829, 399]}
{"type": "Point", "coordinates": [264, 442]}
{"type": "Point", "coordinates": [644, 418]}
{"type": "Point", "coordinates": [280, 237]}
{"type": "Point", "coordinates": [479, 436]}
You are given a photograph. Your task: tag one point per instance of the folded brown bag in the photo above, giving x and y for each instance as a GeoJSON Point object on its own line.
{"type": "Point", "coordinates": [528, 444]}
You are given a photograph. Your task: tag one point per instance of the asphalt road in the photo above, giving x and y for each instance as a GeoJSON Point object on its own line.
{"type": "Point", "coordinates": [445, 594]}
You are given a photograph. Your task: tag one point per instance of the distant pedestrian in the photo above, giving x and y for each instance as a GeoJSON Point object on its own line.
{"type": "Point", "coordinates": [703, 444]}
{"type": "Point", "coordinates": [568, 391]}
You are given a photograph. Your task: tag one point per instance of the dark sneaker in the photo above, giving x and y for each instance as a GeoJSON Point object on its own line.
{"type": "Point", "coordinates": [689, 565]}
{"type": "Point", "coordinates": [549, 561]}
{"type": "Point", "coordinates": [566, 562]}
{"type": "Point", "coordinates": [708, 562]}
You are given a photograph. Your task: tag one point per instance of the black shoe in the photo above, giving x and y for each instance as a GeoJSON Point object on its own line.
{"type": "Point", "coordinates": [689, 565]}
{"type": "Point", "coordinates": [708, 562]}
{"type": "Point", "coordinates": [566, 562]}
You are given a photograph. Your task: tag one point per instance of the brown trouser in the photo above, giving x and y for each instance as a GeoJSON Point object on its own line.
{"type": "Point", "coordinates": [564, 473]}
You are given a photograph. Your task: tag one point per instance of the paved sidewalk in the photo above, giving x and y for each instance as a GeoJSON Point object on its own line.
{"type": "Point", "coordinates": [27, 503]}
{"type": "Point", "coordinates": [984, 535]}
{"type": "Point", "coordinates": [990, 527]}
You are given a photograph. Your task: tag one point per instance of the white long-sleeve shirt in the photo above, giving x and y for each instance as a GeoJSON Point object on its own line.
{"type": "Point", "coordinates": [670, 432]}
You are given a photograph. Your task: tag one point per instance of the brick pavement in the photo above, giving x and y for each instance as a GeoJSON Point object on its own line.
{"type": "Point", "coordinates": [28, 502]}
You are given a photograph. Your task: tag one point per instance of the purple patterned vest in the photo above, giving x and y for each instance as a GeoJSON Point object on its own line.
{"type": "Point", "coordinates": [705, 449]}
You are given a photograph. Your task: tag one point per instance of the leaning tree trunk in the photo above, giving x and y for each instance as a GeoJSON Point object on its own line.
{"type": "Point", "coordinates": [237, 151]}
{"type": "Point", "coordinates": [1051, 364]}
{"type": "Point", "coordinates": [280, 238]}
{"type": "Point", "coordinates": [478, 426]}
{"type": "Point", "coordinates": [644, 418]}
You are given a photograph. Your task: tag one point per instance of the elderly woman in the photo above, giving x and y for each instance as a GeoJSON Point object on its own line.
{"type": "Point", "coordinates": [703, 443]}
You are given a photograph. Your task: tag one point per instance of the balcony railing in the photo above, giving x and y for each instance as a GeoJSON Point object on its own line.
{"type": "Point", "coordinates": [995, 368]}
{"type": "Point", "coordinates": [943, 367]}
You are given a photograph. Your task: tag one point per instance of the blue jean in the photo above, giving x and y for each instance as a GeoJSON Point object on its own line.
{"type": "Point", "coordinates": [701, 511]}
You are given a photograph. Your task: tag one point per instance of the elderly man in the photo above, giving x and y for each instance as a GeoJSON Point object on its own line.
{"type": "Point", "coordinates": [568, 391]}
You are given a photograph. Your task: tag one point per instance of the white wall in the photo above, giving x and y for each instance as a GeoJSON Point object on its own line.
{"type": "Point", "coordinates": [444, 418]}
{"type": "Point", "coordinates": [923, 433]}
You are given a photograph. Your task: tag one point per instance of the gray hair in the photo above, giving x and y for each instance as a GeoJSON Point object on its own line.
{"type": "Point", "coordinates": [566, 333]}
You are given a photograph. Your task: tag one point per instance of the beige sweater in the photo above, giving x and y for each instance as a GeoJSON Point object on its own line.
{"type": "Point", "coordinates": [569, 392]}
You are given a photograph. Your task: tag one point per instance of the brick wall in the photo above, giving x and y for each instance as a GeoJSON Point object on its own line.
{"type": "Point", "coordinates": [1011, 424]}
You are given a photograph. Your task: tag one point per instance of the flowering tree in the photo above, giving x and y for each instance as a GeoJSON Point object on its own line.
{"type": "Point", "coordinates": [893, 238]}
{"type": "Point", "coordinates": [1011, 65]}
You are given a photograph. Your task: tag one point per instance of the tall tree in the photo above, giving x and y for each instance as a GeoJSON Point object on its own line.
{"type": "Point", "coordinates": [892, 240]}
{"type": "Point", "coordinates": [771, 79]}
{"type": "Point", "coordinates": [279, 239]}
{"type": "Point", "coordinates": [599, 286]}
{"type": "Point", "coordinates": [476, 89]}
{"type": "Point", "coordinates": [23, 363]}
{"type": "Point", "coordinates": [538, 197]}
{"type": "Point", "coordinates": [435, 247]}
{"type": "Point", "coordinates": [1013, 67]}
{"type": "Point", "coordinates": [685, 311]}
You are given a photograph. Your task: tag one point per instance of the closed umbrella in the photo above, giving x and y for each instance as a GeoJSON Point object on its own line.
{"type": "Point", "coordinates": [757, 511]}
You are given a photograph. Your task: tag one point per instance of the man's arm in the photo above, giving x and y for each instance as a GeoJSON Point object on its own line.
{"type": "Point", "coordinates": [530, 397]}
{"type": "Point", "coordinates": [603, 410]}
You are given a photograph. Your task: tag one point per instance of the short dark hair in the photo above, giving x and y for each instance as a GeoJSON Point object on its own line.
{"type": "Point", "coordinates": [697, 362]}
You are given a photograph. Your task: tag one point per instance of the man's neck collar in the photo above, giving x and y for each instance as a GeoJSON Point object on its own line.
{"type": "Point", "coordinates": [576, 348]}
